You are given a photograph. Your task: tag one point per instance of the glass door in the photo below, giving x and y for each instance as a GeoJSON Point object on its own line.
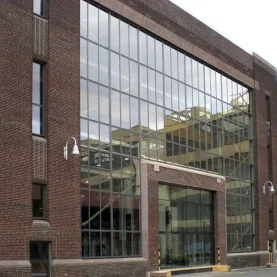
{"type": "Point", "coordinates": [185, 227]}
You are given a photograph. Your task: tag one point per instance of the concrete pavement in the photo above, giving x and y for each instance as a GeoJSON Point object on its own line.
{"type": "Point", "coordinates": [253, 272]}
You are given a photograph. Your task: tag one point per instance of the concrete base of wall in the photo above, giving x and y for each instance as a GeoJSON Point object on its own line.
{"type": "Point", "coordinates": [244, 260]}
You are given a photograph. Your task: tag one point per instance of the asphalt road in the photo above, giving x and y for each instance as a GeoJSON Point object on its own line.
{"type": "Point", "coordinates": [253, 272]}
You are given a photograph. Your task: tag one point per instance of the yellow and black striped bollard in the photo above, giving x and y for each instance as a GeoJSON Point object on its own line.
{"type": "Point", "coordinates": [218, 255]}
{"type": "Point", "coordinates": [159, 253]}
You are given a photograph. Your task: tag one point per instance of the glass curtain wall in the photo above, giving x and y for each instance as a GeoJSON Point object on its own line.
{"type": "Point", "coordinates": [142, 98]}
{"type": "Point", "coordinates": [186, 227]}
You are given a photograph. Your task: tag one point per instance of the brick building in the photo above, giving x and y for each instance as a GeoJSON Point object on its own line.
{"type": "Point", "coordinates": [175, 127]}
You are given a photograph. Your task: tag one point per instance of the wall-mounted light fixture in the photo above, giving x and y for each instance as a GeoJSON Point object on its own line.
{"type": "Point", "coordinates": [75, 151]}
{"type": "Point", "coordinates": [270, 185]}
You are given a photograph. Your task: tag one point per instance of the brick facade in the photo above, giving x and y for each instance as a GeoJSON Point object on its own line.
{"type": "Point", "coordinates": [19, 45]}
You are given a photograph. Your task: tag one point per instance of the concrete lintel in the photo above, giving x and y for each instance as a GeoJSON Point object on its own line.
{"type": "Point", "coordinates": [191, 170]}
{"type": "Point", "coordinates": [15, 264]}
{"type": "Point", "coordinates": [96, 261]}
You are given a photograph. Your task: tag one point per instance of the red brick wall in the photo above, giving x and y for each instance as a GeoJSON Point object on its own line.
{"type": "Point", "coordinates": [63, 111]}
{"type": "Point", "coordinates": [266, 85]}
{"type": "Point", "coordinates": [188, 179]}
{"type": "Point", "coordinates": [174, 25]}
{"type": "Point", "coordinates": [15, 127]}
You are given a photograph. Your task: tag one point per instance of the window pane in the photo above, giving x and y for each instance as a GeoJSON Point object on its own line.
{"type": "Point", "coordinates": [143, 82]}
{"type": "Point", "coordinates": [201, 76]}
{"type": "Point", "coordinates": [104, 104]}
{"type": "Point", "coordinates": [167, 60]}
{"type": "Point", "coordinates": [151, 86]}
{"type": "Point", "coordinates": [92, 23]}
{"type": "Point", "coordinates": [83, 18]}
{"type": "Point", "coordinates": [93, 134]}
{"type": "Point", "coordinates": [83, 57]}
{"type": "Point", "coordinates": [37, 120]}
{"type": "Point", "coordinates": [151, 51]}
{"type": "Point", "coordinates": [167, 92]}
{"type": "Point", "coordinates": [115, 103]}
{"type": "Point", "coordinates": [174, 63]}
{"type": "Point", "coordinates": [83, 99]}
{"type": "Point", "coordinates": [181, 67]}
{"type": "Point", "coordinates": [103, 28]}
{"type": "Point", "coordinates": [125, 113]}
{"type": "Point", "coordinates": [194, 73]}
{"type": "Point", "coordinates": [114, 33]}
{"type": "Point", "coordinates": [175, 96]}
{"type": "Point", "coordinates": [39, 254]}
{"type": "Point", "coordinates": [133, 43]}
{"type": "Point", "coordinates": [103, 66]}
{"type": "Point", "coordinates": [159, 89]}
{"type": "Point", "coordinates": [134, 114]}
{"type": "Point", "coordinates": [152, 117]}
{"type": "Point", "coordinates": [142, 48]}
{"type": "Point", "coordinates": [144, 116]}
{"type": "Point", "coordinates": [124, 74]}
{"type": "Point", "coordinates": [93, 97]}
{"type": "Point", "coordinates": [159, 55]}
{"type": "Point", "coordinates": [188, 71]}
{"type": "Point", "coordinates": [114, 70]}
{"type": "Point", "coordinates": [84, 132]}
{"type": "Point", "coordinates": [133, 78]}
{"type": "Point", "coordinates": [38, 7]}
{"type": "Point", "coordinates": [124, 38]}
{"type": "Point", "coordinates": [37, 84]}
{"type": "Point", "coordinates": [92, 62]}
{"type": "Point", "coordinates": [37, 196]}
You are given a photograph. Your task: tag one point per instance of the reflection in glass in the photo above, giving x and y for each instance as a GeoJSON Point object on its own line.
{"type": "Point", "coordinates": [142, 48]}
{"type": "Point", "coordinates": [83, 57]}
{"type": "Point", "coordinates": [103, 28]}
{"type": "Point", "coordinates": [179, 111]}
{"type": "Point", "coordinates": [185, 227]}
{"type": "Point", "coordinates": [104, 104]}
{"type": "Point", "coordinates": [115, 71]}
{"type": "Point", "coordinates": [133, 43]}
{"type": "Point", "coordinates": [124, 75]}
{"type": "Point", "coordinates": [93, 61]}
{"type": "Point", "coordinates": [143, 82]}
{"type": "Point", "coordinates": [124, 38]}
{"type": "Point", "coordinates": [151, 51]}
{"type": "Point", "coordinates": [133, 78]}
{"type": "Point", "coordinates": [159, 55]}
{"type": "Point", "coordinates": [151, 86]}
{"type": "Point", "coordinates": [114, 33]}
{"type": "Point", "coordinates": [167, 60]}
{"type": "Point", "coordinates": [93, 106]}
{"type": "Point", "coordinates": [103, 66]}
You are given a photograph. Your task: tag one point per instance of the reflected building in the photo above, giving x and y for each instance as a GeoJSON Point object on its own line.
{"type": "Point", "coordinates": [175, 129]}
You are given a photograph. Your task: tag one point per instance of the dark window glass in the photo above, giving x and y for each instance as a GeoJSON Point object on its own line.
{"type": "Point", "coordinates": [39, 258]}
{"type": "Point", "coordinates": [38, 7]}
{"type": "Point", "coordinates": [37, 91]}
{"type": "Point", "coordinates": [38, 201]}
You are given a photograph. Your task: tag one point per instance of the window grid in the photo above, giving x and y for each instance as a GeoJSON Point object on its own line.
{"type": "Point", "coordinates": [210, 134]}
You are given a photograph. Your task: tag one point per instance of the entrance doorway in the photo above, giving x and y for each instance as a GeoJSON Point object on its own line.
{"type": "Point", "coordinates": [186, 227]}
